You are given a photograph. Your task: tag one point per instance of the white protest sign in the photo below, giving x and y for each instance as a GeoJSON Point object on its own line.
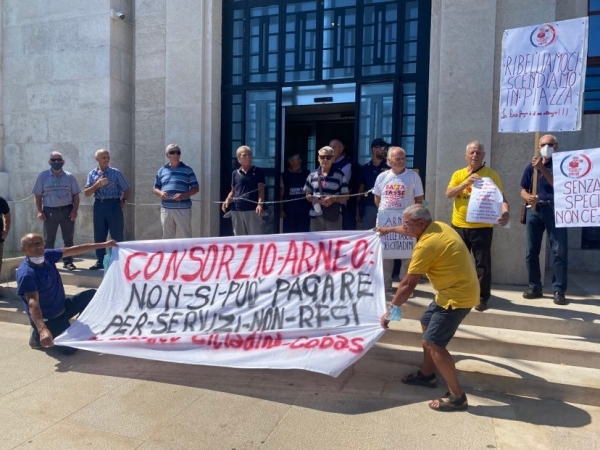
{"type": "Point", "coordinates": [485, 203]}
{"type": "Point", "coordinates": [292, 301]}
{"type": "Point", "coordinates": [577, 188]}
{"type": "Point", "coordinates": [543, 77]}
{"type": "Point", "coordinates": [394, 245]}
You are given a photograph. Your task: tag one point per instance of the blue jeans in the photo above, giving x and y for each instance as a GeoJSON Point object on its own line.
{"type": "Point", "coordinates": [538, 220]}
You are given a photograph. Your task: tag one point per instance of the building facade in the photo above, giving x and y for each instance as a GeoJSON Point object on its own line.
{"type": "Point", "coordinates": [279, 76]}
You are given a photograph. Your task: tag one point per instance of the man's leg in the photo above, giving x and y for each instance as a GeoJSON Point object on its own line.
{"type": "Point", "coordinates": [388, 267]}
{"type": "Point", "coordinates": [116, 222]}
{"type": "Point", "coordinates": [168, 223]}
{"type": "Point", "coordinates": [440, 330]}
{"type": "Point", "coordinates": [237, 222]}
{"type": "Point", "coordinates": [559, 240]}
{"type": "Point", "coordinates": [317, 224]}
{"type": "Point", "coordinates": [334, 225]}
{"type": "Point", "coordinates": [481, 246]}
{"type": "Point", "coordinates": [67, 229]}
{"type": "Point", "coordinates": [254, 222]}
{"type": "Point", "coordinates": [77, 303]}
{"type": "Point", "coordinates": [1, 255]}
{"type": "Point", "coordinates": [369, 218]}
{"type": "Point", "coordinates": [534, 229]}
{"type": "Point", "coordinates": [464, 235]}
{"type": "Point", "coordinates": [100, 228]}
{"type": "Point", "coordinates": [183, 222]}
{"type": "Point", "coordinates": [50, 227]}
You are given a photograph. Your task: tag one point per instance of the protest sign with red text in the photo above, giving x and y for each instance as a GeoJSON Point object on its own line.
{"type": "Point", "coordinates": [293, 301]}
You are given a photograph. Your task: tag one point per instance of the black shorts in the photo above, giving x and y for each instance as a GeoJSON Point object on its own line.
{"type": "Point", "coordinates": [441, 324]}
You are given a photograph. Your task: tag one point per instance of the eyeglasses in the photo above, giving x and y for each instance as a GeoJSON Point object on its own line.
{"type": "Point", "coordinates": [326, 157]}
{"type": "Point", "coordinates": [35, 244]}
{"type": "Point", "coordinates": [175, 152]}
{"type": "Point", "coordinates": [55, 159]}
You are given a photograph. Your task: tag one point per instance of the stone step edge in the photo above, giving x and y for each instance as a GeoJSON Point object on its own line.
{"type": "Point", "coordinates": [490, 373]}
{"type": "Point", "coordinates": [510, 337]}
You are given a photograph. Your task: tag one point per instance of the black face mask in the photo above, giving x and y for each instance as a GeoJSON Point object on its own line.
{"type": "Point", "coordinates": [57, 165]}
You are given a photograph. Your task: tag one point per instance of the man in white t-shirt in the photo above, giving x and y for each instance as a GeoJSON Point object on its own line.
{"type": "Point", "coordinates": [397, 189]}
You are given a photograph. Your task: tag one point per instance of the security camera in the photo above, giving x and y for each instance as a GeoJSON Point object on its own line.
{"type": "Point", "coordinates": [116, 15]}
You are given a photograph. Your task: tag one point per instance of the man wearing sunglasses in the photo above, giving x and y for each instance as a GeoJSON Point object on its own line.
{"type": "Point", "coordinates": [175, 184]}
{"type": "Point", "coordinates": [325, 189]}
{"type": "Point", "coordinates": [57, 201]}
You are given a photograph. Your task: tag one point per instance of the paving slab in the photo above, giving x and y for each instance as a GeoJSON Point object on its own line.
{"type": "Point", "coordinates": [131, 403]}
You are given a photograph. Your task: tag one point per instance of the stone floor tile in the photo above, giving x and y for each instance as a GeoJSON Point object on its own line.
{"type": "Point", "coordinates": [136, 409]}
{"type": "Point", "coordinates": [16, 428]}
{"type": "Point", "coordinates": [63, 436]}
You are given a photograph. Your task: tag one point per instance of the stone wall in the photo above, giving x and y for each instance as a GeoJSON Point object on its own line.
{"type": "Point", "coordinates": [178, 79]}
{"type": "Point", "coordinates": [463, 105]}
{"type": "Point", "coordinates": [66, 86]}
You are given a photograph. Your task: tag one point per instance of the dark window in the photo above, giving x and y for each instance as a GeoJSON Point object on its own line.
{"type": "Point", "coordinates": [300, 41]}
{"type": "Point", "coordinates": [339, 39]}
{"type": "Point", "coordinates": [590, 238]}
{"type": "Point", "coordinates": [591, 103]}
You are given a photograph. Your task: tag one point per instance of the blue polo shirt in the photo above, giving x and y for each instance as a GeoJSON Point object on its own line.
{"type": "Point", "coordinates": [46, 281]}
{"type": "Point", "coordinates": [175, 180]}
{"type": "Point", "coordinates": [545, 191]}
{"type": "Point", "coordinates": [114, 189]}
{"type": "Point", "coordinates": [56, 190]}
{"type": "Point", "coordinates": [245, 188]}
{"type": "Point", "coordinates": [368, 174]}
{"type": "Point", "coordinates": [293, 189]}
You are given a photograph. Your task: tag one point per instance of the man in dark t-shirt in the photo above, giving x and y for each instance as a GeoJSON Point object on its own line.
{"type": "Point", "coordinates": [247, 195]}
{"type": "Point", "coordinates": [295, 209]}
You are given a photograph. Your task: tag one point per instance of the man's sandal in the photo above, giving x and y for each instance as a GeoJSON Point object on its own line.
{"type": "Point", "coordinates": [419, 379]}
{"type": "Point", "coordinates": [449, 403]}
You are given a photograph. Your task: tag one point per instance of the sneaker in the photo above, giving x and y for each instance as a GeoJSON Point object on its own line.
{"type": "Point", "coordinates": [559, 298]}
{"type": "Point", "coordinates": [97, 266]}
{"type": "Point", "coordinates": [481, 307]}
{"type": "Point", "coordinates": [69, 266]}
{"type": "Point", "coordinates": [533, 293]}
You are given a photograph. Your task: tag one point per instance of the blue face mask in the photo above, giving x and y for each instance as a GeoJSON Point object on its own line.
{"type": "Point", "coordinates": [57, 166]}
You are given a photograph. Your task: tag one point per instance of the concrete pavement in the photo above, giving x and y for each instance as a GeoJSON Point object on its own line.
{"type": "Point", "coordinates": [95, 401]}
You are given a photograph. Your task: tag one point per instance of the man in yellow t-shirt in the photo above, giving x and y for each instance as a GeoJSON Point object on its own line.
{"type": "Point", "coordinates": [441, 254]}
{"type": "Point", "coordinates": [476, 236]}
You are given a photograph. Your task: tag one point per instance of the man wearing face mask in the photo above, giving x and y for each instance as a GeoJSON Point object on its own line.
{"type": "Point", "coordinates": [57, 200]}
{"type": "Point", "coordinates": [540, 217]}
{"type": "Point", "coordinates": [40, 287]}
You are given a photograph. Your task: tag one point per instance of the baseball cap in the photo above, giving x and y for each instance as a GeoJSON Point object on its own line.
{"type": "Point", "coordinates": [379, 143]}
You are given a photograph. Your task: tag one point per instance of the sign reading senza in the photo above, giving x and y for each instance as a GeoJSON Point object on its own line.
{"type": "Point", "coordinates": [543, 77]}
{"type": "Point", "coordinates": [306, 301]}
{"type": "Point", "coordinates": [577, 188]}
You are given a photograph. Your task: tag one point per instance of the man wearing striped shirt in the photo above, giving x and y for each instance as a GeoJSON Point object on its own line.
{"type": "Point", "coordinates": [175, 184]}
{"type": "Point", "coordinates": [326, 188]}
{"type": "Point", "coordinates": [110, 190]}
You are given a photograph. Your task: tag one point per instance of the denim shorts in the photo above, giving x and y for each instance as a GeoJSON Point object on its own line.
{"type": "Point", "coordinates": [441, 324]}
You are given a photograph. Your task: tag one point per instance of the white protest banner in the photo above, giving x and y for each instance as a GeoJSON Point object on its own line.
{"type": "Point", "coordinates": [577, 188]}
{"type": "Point", "coordinates": [394, 245]}
{"type": "Point", "coordinates": [292, 301]}
{"type": "Point", "coordinates": [543, 77]}
{"type": "Point", "coordinates": [485, 203]}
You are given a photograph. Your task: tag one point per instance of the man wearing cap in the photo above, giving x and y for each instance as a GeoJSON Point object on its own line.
{"type": "Point", "coordinates": [540, 217]}
{"type": "Point", "coordinates": [175, 184]}
{"type": "Point", "coordinates": [57, 200]}
{"type": "Point", "coordinates": [326, 188]}
{"type": "Point", "coordinates": [367, 209]}
{"type": "Point", "coordinates": [111, 191]}
{"type": "Point", "coordinates": [247, 195]}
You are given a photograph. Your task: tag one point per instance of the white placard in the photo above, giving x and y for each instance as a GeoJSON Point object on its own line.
{"type": "Point", "coordinates": [292, 301]}
{"type": "Point", "coordinates": [577, 188]}
{"type": "Point", "coordinates": [394, 245]}
{"type": "Point", "coordinates": [485, 203]}
{"type": "Point", "coordinates": [543, 77]}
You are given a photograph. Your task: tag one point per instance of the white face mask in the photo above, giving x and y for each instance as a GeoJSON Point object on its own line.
{"type": "Point", "coordinates": [36, 260]}
{"type": "Point", "coordinates": [547, 151]}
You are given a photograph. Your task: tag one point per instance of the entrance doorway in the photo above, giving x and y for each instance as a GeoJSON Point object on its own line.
{"type": "Point", "coordinates": [308, 128]}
